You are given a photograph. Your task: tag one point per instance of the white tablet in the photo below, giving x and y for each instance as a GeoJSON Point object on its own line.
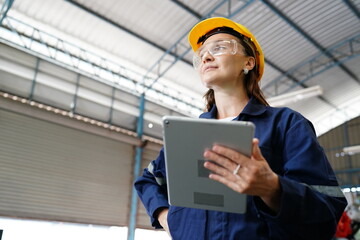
{"type": "Point", "coordinates": [185, 140]}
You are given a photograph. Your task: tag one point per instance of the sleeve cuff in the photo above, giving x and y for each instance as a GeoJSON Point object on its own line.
{"type": "Point", "coordinates": [290, 201]}
{"type": "Point", "coordinates": [154, 221]}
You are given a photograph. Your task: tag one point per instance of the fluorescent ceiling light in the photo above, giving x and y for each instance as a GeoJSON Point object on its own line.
{"type": "Point", "coordinates": [295, 96]}
{"type": "Point", "coordinates": [351, 150]}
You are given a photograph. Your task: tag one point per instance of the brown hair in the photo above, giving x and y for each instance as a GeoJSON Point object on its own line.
{"type": "Point", "coordinates": [250, 80]}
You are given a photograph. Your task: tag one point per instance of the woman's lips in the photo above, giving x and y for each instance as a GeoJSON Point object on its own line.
{"type": "Point", "coordinates": [208, 68]}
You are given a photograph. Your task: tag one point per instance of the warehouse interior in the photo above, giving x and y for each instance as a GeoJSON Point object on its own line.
{"type": "Point", "coordinates": [84, 86]}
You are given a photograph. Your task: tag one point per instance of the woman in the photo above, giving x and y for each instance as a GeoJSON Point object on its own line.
{"type": "Point", "coordinates": [292, 190]}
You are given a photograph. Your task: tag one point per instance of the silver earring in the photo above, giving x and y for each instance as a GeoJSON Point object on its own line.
{"type": "Point", "coordinates": [246, 71]}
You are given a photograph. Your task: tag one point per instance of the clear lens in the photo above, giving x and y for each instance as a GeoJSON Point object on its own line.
{"type": "Point", "coordinates": [216, 48]}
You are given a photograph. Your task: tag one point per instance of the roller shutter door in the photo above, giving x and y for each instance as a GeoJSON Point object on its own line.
{"type": "Point", "coordinates": [49, 171]}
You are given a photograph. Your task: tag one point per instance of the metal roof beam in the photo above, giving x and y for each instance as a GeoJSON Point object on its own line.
{"type": "Point", "coordinates": [188, 9]}
{"type": "Point", "coordinates": [310, 39]}
{"type": "Point", "coordinates": [344, 51]}
{"type": "Point", "coordinates": [4, 9]}
{"type": "Point", "coordinates": [283, 72]}
{"type": "Point", "coordinates": [352, 7]}
{"type": "Point", "coordinates": [123, 28]}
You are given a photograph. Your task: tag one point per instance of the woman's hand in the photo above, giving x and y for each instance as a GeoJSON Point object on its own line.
{"type": "Point", "coordinates": [252, 176]}
{"type": "Point", "coordinates": [162, 218]}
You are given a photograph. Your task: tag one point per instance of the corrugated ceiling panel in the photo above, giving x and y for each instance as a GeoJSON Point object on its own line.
{"type": "Point", "coordinates": [280, 43]}
{"type": "Point", "coordinates": [53, 172]}
{"type": "Point", "coordinates": [327, 22]}
{"type": "Point", "coordinates": [146, 18]}
{"type": "Point", "coordinates": [269, 74]}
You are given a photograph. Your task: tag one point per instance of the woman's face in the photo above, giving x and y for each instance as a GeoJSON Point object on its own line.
{"type": "Point", "coordinates": [222, 70]}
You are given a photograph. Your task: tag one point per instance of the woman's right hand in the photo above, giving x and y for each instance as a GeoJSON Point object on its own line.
{"type": "Point", "coordinates": [162, 218]}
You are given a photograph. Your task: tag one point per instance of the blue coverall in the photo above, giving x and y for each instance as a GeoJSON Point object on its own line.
{"type": "Point", "coordinates": [311, 201]}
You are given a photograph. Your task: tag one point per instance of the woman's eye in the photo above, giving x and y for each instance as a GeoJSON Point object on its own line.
{"type": "Point", "coordinates": [219, 48]}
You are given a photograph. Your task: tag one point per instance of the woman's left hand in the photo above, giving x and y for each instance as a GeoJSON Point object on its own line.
{"type": "Point", "coordinates": [252, 176]}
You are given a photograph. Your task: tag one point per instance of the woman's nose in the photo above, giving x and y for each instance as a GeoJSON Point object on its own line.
{"type": "Point", "coordinates": [207, 57]}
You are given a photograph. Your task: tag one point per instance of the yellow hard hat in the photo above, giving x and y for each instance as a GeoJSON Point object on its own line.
{"type": "Point", "coordinates": [209, 24]}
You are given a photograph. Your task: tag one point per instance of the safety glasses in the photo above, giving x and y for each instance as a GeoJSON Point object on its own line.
{"type": "Point", "coordinates": [215, 48]}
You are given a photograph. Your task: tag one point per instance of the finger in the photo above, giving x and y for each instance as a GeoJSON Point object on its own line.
{"type": "Point", "coordinates": [217, 169]}
{"type": "Point", "coordinates": [220, 160]}
{"type": "Point", "coordinates": [256, 152]}
{"type": "Point", "coordinates": [229, 153]}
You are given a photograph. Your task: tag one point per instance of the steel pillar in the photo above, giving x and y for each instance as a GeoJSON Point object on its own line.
{"type": "Point", "coordinates": [36, 70]}
{"type": "Point", "coordinates": [74, 102]}
{"type": "Point", "coordinates": [138, 158]}
{"type": "Point", "coordinates": [348, 158]}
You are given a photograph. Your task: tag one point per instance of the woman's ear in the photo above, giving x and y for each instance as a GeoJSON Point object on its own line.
{"type": "Point", "coordinates": [250, 63]}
